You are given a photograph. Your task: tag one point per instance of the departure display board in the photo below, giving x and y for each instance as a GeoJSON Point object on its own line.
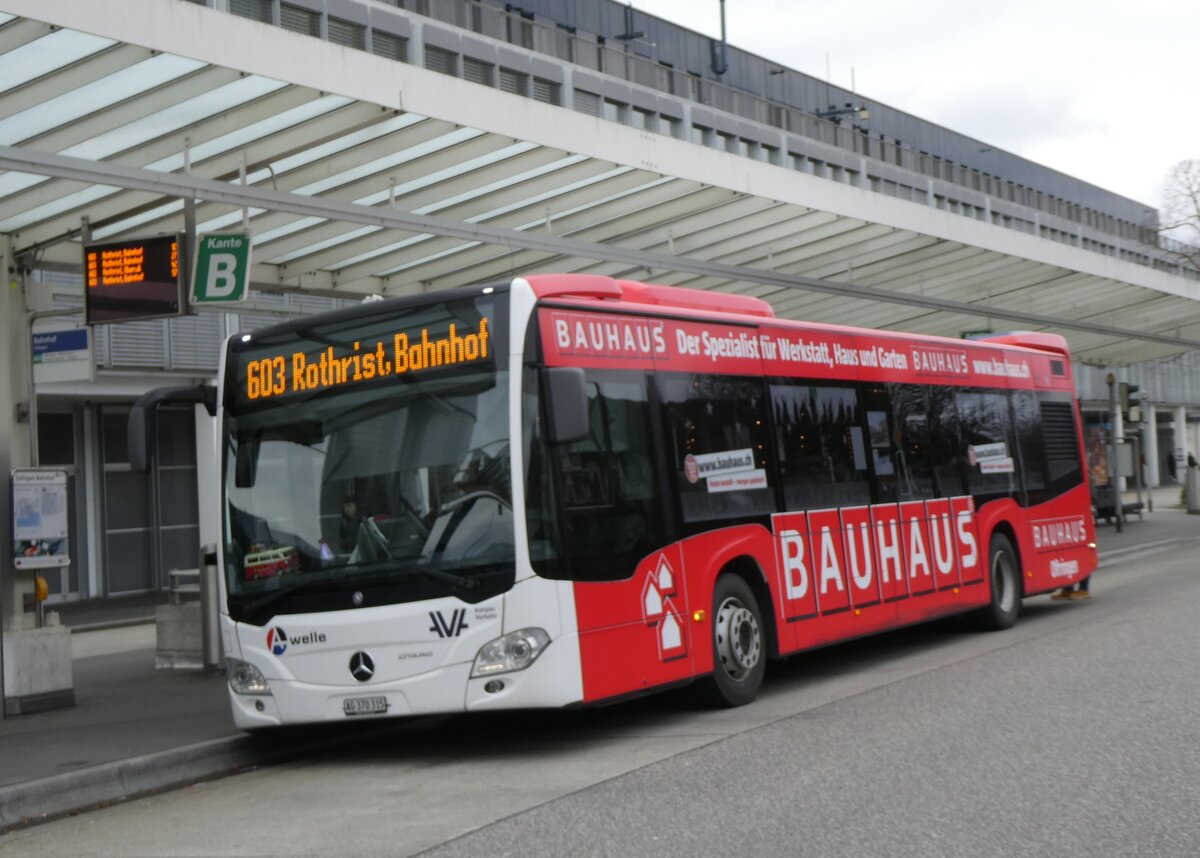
{"type": "Point", "coordinates": [133, 279]}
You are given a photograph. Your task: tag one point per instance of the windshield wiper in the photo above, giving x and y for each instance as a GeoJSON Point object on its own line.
{"type": "Point", "coordinates": [383, 570]}
{"type": "Point", "coordinates": [387, 568]}
{"type": "Point", "coordinates": [269, 598]}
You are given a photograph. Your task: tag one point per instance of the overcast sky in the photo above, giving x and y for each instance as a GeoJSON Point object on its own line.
{"type": "Point", "coordinates": [1105, 91]}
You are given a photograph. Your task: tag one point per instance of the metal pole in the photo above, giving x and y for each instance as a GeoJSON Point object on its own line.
{"type": "Point", "coordinates": [1137, 472]}
{"type": "Point", "coordinates": [1112, 451]}
{"type": "Point", "coordinates": [210, 618]}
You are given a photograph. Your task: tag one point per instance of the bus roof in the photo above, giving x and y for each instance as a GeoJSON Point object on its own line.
{"type": "Point", "coordinates": [601, 288]}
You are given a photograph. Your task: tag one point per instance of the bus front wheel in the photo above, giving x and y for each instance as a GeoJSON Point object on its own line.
{"type": "Point", "coordinates": [739, 645]}
{"type": "Point", "coordinates": [1004, 571]}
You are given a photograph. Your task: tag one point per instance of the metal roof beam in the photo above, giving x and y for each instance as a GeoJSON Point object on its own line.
{"type": "Point", "coordinates": [12, 158]}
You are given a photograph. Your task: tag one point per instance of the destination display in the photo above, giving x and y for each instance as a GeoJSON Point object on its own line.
{"type": "Point", "coordinates": [395, 353]}
{"type": "Point", "coordinates": [133, 279]}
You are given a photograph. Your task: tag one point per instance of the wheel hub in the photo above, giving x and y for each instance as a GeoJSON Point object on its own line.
{"type": "Point", "coordinates": [739, 639]}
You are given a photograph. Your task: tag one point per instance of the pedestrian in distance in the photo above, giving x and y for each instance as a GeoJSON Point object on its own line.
{"type": "Point", "coordinates": [1075, 592]}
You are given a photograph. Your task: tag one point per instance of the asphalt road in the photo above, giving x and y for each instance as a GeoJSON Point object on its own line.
{"type": "Point", "coordinates": [1076, 733]}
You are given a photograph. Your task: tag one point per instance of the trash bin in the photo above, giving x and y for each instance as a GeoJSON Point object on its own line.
{"type": "Point", "coordinates": [1192, 490]}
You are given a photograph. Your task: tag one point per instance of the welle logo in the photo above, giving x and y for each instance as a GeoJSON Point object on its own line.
{"type": "Point", "coordinates": [278, 640]}
{"type": "Point", "coordinates": [450, 628]}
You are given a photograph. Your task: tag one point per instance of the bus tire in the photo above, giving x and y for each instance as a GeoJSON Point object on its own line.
{"type": "Point", "coordinates": [1005, 577]}
{"type": "Point", "coordinates": [739, 643]}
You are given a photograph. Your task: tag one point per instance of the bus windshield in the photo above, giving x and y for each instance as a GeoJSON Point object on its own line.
{"type": "Point", "coordinates": [380, 477]}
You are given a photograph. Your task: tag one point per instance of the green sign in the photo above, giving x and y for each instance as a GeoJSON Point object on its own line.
{"type": "Point", "coordinates": [222, 270]}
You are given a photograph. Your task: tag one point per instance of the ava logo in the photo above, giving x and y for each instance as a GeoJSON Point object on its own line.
{"type": "Point", "coordinates": [448, 629]}
{"type": "Point", "coordinates": [659, 611]}
{"type": "Point", "coordinates": [277, 640]}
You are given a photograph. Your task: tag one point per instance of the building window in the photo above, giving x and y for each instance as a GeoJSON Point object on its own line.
{"type": "Point", "coordinates": [387, 45]}
{"type": "Point", "coordinates": [441, 60]}
{"type": "Point", "coordinates": [644, 119]}
{"type": "Point", "coordinates": [520, 30]}
{"type": "Point", "coordinates": [587, 102]}
{"type": "Point", "coordinates": [514, 81]}
{"type": "Point", "coordinates": [299, 20]}
{"type": "Point", "coordinates": [613, 110]}
{"type": "Point", "coordinates": [547, 91]}
{"type": "Point", "coordinates": [477, 71]}
{"type": "Point", "coordinates": [257, 10]}
{"type": "Point", "coordinates": [347, 34]}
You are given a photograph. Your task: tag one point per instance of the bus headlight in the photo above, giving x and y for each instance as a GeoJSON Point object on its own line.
{"type": "Point", "coordinates": [514, 651]}
{"type": "Point", "coordinates": [245, 678]}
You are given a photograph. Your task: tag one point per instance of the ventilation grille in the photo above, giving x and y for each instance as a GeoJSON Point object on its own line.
{"type": "Point", "coordinates": [1058, 430]}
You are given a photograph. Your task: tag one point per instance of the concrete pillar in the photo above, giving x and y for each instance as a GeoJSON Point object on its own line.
{"type": "Point", "coordinates": [14, 429]}
{"type": "Point", "coordinates": [1180, 442]}
{"type": "Point", "coordinates": [1150, 437]}
{"type": "Point", "coordinates": [36, 662]}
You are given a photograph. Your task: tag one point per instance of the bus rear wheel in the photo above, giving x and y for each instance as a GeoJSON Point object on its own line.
{"type": "Point", "coordinates": [1005, 576]}
{"type": "Point", "coordinates": [739, 645]}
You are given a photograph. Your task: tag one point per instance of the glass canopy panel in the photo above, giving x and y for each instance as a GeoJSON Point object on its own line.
{"type": "Point", "coordinates": [226, 220]}
{"type": "Point", "coordinates": [395, 159]}
{"type": "Point", "coordinates": [287, 229]}
{"type": "Point", "coordinates": [157, 213]}
{"type": "Point", "coordinates": [318, 246]}
{"type": "Point", "coordinates": [47, 54]}
{"type": "Point", "coordinates": [346, 141]}
{"type": "Point", "coordinates": [175, 117]}
{"type": "Point", "coordinates": [93, 97]}
{"type": "Point", "coordinates": [56, 207]}
{"type": "Point", "coordinates": [12, 182]}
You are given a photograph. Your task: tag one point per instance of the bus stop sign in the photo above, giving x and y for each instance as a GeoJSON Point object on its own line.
{"type": "Point", "coordinates": [222, 270]}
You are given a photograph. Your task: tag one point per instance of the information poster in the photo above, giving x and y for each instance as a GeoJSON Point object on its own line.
{"type": "Point", "coordinates": [39, 505]}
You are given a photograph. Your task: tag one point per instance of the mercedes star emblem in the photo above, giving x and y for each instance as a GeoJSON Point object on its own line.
{"type": "Point", "coordinates": [362, 667]}
{"type": "Point", "coordinates": [357, 598]}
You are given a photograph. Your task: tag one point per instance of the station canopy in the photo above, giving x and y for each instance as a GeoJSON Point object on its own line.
{"type": "Point", "coordinates": [363, 175]}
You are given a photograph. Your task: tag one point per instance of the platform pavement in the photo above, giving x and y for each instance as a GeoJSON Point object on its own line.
{"type": "Point", "coordinates": [135, 729]}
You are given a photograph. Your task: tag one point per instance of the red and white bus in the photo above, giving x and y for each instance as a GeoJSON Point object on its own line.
{"type": "Point", "coordinates": [568, 489]}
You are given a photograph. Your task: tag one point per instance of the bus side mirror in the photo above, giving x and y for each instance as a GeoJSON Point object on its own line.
{"type": "Point", "coordinates": [566, 404]}
{"type": "Point", "coordinates": [141, 419]}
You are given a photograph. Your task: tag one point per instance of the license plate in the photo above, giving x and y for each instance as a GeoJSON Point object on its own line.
{"type": "Point", "coordinates": [365, 705]}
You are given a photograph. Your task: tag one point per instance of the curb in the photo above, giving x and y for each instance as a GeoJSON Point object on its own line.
{"type": "Point", "coordinates": [1142, 548]}
{"type": "Point", "coordinates": [39, 800]}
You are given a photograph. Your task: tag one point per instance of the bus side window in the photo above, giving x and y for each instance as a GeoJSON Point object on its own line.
{"type": "Point", "coordinates": [914, 451]}
{"type": "Point", "coordinates": [586, 465]}
{"type": "Point", "coordinates": [609, 513]}
{"type": "Point", "coordinates": [881, 442]}
{"type": "Point", "coordinates": [717, 440]}
{"type": "Point", "coordinates": [1027, 426]}
{"type": "Point", "coordinates": [820, 445]}
{"type": "Point", "coordinates": [946, 439]}
{"type": "Point", "coordinates": [987, 434]}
